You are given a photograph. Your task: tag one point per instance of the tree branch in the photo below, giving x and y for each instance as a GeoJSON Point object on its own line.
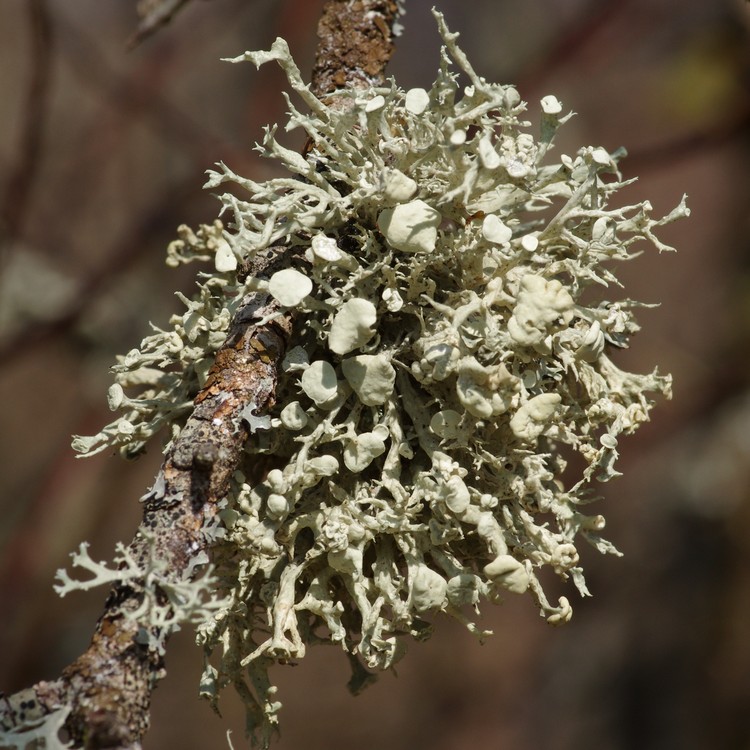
{"type": "Point", "coordinates": [106, 692]}
{"type": "Point", "coordinates": [109, 687]}
{"type": "Point", "coordinates": [356, 43]}
{"type": "Point", "coordinates": [153, 15]}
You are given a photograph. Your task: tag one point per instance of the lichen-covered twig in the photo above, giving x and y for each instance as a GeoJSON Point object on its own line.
{"type": "Point", "coordinates": [102, 699]}
{"type": "Point", "coordinates": [107, 690]}
{"type": "Point", "coordinates": [427, 264]}
{"type": "Point", "coordinates": [153, 15]}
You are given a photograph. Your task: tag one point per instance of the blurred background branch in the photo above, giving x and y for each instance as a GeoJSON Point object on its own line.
{"type": "Point", "coordinates": [153, 15]}
{"type": "Point", "coordinates": [21, 174]}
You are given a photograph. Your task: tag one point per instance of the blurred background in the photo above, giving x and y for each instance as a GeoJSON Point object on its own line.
{"type": "Point", "coordinates": [102, 155]}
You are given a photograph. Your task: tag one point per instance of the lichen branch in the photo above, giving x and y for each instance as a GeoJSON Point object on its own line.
{"type": "Point", "coordinates": [108, 688]}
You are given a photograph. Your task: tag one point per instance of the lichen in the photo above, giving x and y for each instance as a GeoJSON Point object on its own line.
{"type": "Point", "coordinates": [166, 604]}
{"type": "Point", "coordinates": [445, 364]}
{"type": "Point", "coordinates": [29, 726]}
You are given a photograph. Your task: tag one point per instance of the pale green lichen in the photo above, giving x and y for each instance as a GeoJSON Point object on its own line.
{"type": "Point", "coordinates": [165, 603]}
{"type": "Point", "coordinates": [170, 365]}
{"type": "Point", "coordinates": [29, 726]}
{"type": "Point", "coordinates": [444, 364]}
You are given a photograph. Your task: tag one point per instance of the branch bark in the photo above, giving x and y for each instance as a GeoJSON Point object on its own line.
{"type": "Point", "coordinates": [107, 690]}
{"type": "Point", "coordinates": [355, 44]}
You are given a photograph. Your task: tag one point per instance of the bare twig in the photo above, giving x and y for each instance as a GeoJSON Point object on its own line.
{"type": "Point", "coordinates": [154, 14]}
{"type": "Point", "coordinates": [107, 690]}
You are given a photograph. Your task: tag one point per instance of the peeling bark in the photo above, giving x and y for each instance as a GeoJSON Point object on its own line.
{"type": "Point", "coordinates": [355, 44]}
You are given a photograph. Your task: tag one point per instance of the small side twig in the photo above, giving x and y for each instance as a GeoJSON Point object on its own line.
{"type": "Point", "coordinates": [154, 14]}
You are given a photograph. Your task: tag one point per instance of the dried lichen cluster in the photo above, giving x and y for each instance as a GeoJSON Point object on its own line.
{"type": "Point", "coordinates": [444, 362]}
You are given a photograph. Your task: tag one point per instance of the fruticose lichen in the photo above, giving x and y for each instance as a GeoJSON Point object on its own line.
{"type": "Point", "coordinates": [445, 364]}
